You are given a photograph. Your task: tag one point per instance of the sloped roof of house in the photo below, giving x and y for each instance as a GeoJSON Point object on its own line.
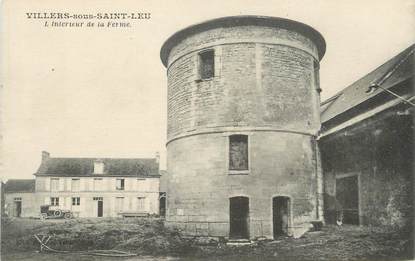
{"type": "Point", "coordinates": [394, 71]}
{"type": "Point", "coordinates": [85, 167]}
{"type": "Point", "coordinates": [19, 185]}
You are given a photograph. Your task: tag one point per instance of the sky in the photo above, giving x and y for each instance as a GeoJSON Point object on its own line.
{"type": "Point", "coordinates": [101, 92]}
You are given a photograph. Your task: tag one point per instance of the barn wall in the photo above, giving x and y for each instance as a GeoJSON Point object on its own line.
{"type": "Point", "coordinates": [378, 149]}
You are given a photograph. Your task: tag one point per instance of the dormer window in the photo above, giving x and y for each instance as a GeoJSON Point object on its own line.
{"type": "Point", "coordinates": [98, 167]}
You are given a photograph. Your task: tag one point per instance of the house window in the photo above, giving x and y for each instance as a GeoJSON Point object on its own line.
{"type": "Point", "coordinates": [119, 204]}
{"type": "Point", "coordinates": [17, 199]}
{"type": "Point", "coordinates": [98, 167]}
{"type": "Point", "coordinates": [75, 185]}
{"type": "Point", "coordinates": [120, 184]}
{"type": "Point", "coordinates": [141, 203]}
{"type": "Point", "coordinates": [207, 64]}
{"type": "Point", "coordinates": [238, 152]}
{"type": "Point", "coordinates": [98, 184]}
{"type": "Point", "coordinates": [54, 184]}
{"type": "Point", "coordinates": [76, 201]}
{"type": "Point", "coordinates": [54, 201]}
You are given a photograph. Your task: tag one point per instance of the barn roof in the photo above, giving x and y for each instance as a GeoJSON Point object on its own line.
{"type": "Point", "coordinates": [389, 74]}
{"type": "Point", "coordinates": [146, 167]}
{"type": "Point", "coordinates": [19, 185]}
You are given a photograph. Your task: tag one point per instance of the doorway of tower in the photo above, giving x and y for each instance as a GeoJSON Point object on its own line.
{"type": "Point", "coordinates": [162, 204]}
{"type": "Point", "coordinates": [280, 215]}
{"type": "Point", "coordinates": [347, 197]}
{"type": "Point", "coordinates": [100, 206]}
{"type": "Point", "coordinates": [17, 207]}
{"type": "Point", "coordinates": [239, 218]}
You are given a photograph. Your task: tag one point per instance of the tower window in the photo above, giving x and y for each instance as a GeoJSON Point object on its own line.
{"type": "Point", "coordinates": [207, 64]}
{"type": "Point", "coordinates": [238, 152]}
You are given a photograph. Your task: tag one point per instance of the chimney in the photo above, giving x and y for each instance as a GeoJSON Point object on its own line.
{"type": "Point", "coordinates": [45, 155]}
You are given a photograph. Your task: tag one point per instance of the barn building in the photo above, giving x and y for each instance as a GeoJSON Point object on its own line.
{"type": "Point", "coordinates": [19, 198]}
{"type": "Point", "coordinates": [243, 117]}
{"type": "Point", "coordinates": [367, 143]}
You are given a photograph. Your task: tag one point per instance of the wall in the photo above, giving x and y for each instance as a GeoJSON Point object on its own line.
{"type": "Point", "coordinates": [134, 188]}
{"type": "Point", "coordinates": [30, 204]}
{"type": "Point", "coordinates": [378, 149]}
{"type": "Point", "coordinates": [108, 184]}
{"type": "Point", "coordinates": [200, 188]}
{"type": "Point", "coordinates": [260, 84]}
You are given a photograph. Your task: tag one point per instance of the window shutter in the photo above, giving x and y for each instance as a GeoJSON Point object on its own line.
{"type": "Point", "coordinates": [134, 184]}
{"type": "Point", "coordinates": [47, 184]}
{"type": "Point", "coordinates": [82, 184]}
{"type": "Point", "coordinates": [151, 207]}
{"type": "Point", "coordinates": [144, 185]}
{"type": "Point", "coordinates": [145, 203]}
{"type": "Point", "coordinates": [61, 184]}
{"type": "Point", "coordinates": [68, 184]}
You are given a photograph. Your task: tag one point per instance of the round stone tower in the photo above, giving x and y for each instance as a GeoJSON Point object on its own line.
{"type": "Point", "coordinates": [243, 116]}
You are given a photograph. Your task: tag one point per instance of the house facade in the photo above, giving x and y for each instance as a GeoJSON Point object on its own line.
{"type": "Point", "coordinates": [92, 187]}
{"type": "Point", "coordinates": [19, 198]}
{"type": "Point", "coordinates": [367, 144]}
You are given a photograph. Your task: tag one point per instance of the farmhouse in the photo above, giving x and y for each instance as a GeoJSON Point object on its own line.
{"type": "Point", "coordinates": [90, 187]}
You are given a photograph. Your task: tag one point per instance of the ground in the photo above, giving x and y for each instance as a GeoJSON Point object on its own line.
{"type": "Point", "coordinates": [151, 241]}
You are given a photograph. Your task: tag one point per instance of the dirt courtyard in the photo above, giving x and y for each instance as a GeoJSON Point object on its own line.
{"type": "Point", "coordinates": [151, 241]}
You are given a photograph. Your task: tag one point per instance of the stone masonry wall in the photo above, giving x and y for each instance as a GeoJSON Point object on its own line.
{"type": "Point", "coordinates": [200, 185]}
{"type": "Point", "coordinates": [264, 87]}
{"type": "Point", "coordinates": [255, 84]}
{"type": "Point", "coordinates": [376, 149]}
